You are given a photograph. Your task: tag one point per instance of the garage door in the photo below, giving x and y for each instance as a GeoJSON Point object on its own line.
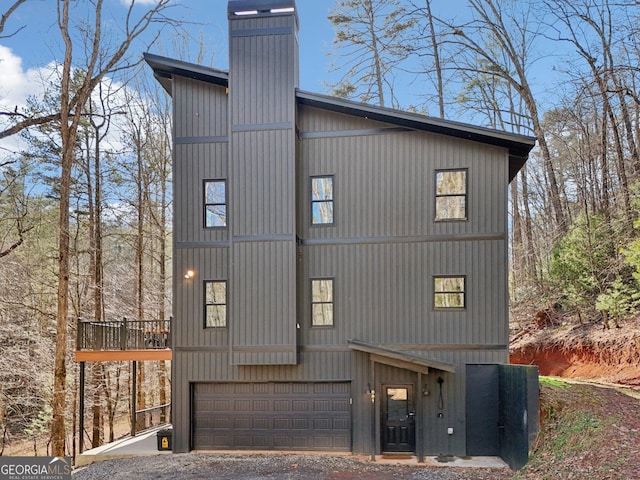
{"type": "Point", "coordinates": [268, 416]}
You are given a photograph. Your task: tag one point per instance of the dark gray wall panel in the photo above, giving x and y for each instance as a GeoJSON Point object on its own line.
{"type": "Point", "coordinates": [188, 324]}
{"type": "Point", "coordinates": [200, 109]}
{"type": "Point", "coordinates": [272, 60]}
{"type": "Point", "coordinates": [383, 293]}
{"type": "Point", "coordinates": [262, 189]}
{"type": "Point", "coordinates": [384, 183]}
{"type": "Point", "coordinates": [263, 303]}
{"type": "Point", "coordinates": [193, 164]}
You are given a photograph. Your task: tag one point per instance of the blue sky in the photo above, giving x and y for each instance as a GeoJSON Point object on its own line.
{"type": "Point", "coordinates": [25, 55]}
{"type": "Point", "coordinates": [39, 42]}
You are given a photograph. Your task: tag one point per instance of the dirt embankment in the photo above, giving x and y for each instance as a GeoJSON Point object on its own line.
{"type": "Point", "coordinates": [582, 351]}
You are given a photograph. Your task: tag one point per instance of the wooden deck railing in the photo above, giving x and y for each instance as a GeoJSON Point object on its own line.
{"type": "Point", "coordinates": [124, 334]}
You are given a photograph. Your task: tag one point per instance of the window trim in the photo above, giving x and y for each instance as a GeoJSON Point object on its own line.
{"type": "Point", "coordinates": [332, 302]}
{"type": "Point", "coordinates": [205, 204]}
{"type": "Point", "coordinates": [435, 293]}
{"type": "Point", "coordinates": [437, 196]}
{"type": "Point", "coordinates": [206, 304]}
{"type": "Point", "coordinates": [332, 201]}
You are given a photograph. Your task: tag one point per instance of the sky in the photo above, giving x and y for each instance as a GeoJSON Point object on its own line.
{"type": "Point", "coordinates": [27, 56]}
{"type": "Point", "coordinates": [39, 42]}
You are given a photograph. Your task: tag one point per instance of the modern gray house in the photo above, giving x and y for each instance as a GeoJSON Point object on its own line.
{"type": "Point", "coordinates": [340, 269]}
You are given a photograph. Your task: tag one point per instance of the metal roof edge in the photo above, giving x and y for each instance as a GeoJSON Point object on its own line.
{"type": "Point", "coordinates": [165, 68]}
{"type": "Point", "coordinates": [518, 145]}
{"type": "Point", "coordinates": [361, 346]}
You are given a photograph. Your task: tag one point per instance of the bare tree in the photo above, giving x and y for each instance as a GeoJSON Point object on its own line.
{"type": "Point", "coordinates": [498, 41]}
{"type": "Point", "coordinates": [100, 61]}
{"type": "Point", "coordinates": [372, 35]}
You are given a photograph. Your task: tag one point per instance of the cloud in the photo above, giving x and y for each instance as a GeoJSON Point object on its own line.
{"type": "Point", "coordinates": [13, 87]}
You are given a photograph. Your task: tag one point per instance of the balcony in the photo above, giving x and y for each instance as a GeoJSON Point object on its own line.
{"type": "Point", "coordinates": [122, 340]}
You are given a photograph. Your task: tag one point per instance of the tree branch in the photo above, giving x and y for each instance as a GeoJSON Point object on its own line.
{"type": "Point", "coordinates": [5, 16]}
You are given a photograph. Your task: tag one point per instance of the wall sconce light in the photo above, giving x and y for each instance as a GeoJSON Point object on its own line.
{"type": "Point", "coordinates": [189, 274]}
{"type": "Point", "coordinates": [425, 391]}
{"type": "Point", "coordinates": [372, 394]}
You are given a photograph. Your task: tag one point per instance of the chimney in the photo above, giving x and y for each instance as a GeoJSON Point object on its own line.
{"type": "Point", "coordinates": [263, 60]}
{"type": "Point", "coordinates": [263, 77]}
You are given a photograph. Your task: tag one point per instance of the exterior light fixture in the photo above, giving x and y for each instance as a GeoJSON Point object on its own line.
{"type": "Point", "coordinates": [189, 274]}
{"type": "Point", "coordinates": [283, 10]}
{"type": "Point", "coordinates": [372, 394]}
{"type": "Point", "coordinates": [246, 12]}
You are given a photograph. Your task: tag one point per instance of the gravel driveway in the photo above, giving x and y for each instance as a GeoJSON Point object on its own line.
{"type": "Point", "coordinates": [189, 466]}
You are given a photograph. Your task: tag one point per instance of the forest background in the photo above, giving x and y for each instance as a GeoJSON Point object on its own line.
{"type": "Point", "coordinates": [85, 170]}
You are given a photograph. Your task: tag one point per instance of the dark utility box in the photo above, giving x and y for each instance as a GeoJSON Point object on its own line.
{"type": "Point", "coordinates": [164, 439]}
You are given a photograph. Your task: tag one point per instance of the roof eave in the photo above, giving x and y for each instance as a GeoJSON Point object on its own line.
{"type": "Point", "coordinates": [406, 358]}
{"type": "Point", "coordinates": [164, 69]}
{"type": "Point", "coordinates": [518, 146]}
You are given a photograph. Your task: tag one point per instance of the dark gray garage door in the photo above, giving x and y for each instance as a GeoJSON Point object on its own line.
{"type": "Point", "coordinates": [268, 416]}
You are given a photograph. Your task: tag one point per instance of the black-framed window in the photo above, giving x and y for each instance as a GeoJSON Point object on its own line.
{"type": "Point", "coordinates": [215, 303]}
{"type": "Point", "coordinates": [451, 194]}
{"type": "Point", "coordinates": [449, 292]}
{"type": "Point", "coordinates": [322, 200]}
{"type": "Point", "coordinates": [215, 203]}
{"type": "Point", "coordinates": [322, 302]}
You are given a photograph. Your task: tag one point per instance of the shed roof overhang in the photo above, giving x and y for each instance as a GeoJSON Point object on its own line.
{"type": "Point", "coordinates": [518, 146]}
{"type": "Point", "coordinates": [400, 359]}
{"type": "Point", "coordinates": [165, 68]}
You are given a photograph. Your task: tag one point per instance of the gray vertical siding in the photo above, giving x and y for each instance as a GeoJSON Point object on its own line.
{"type": "Point", "coordinates": [384, 183]}
{"type": "Point", "coordinates": [262, 81]}
{"type": "Point", "coordinates": [265, 69]}
{"type": "Point", "coordinates": [382, 251]}
{"type": "Point", "coordinates": [199, 109]}
{"type": "Point", "coordinates": [263, 307]}
{"type": "Point", "coordinates": [262, 187]}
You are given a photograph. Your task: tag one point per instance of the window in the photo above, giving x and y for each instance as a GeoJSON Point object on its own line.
{"type": "Point", "coordinates": [322, 200]}
{"type": "Point", "coordinates": [322, 302]}
{"type": "Point", "coordinates": [451, 195]}
{"type": "Point", "coordinates": [215, 304]}
{"type": "Point", "coordinates": [215, 203]}
{"type": "Point", "coordinates": [449, 292]}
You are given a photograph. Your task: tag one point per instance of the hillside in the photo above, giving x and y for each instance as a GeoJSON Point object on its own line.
{"type": "Point", "coordinates": [587, 432]}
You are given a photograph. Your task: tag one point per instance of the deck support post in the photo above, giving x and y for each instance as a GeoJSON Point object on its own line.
{"type": "Point", "coordinates": [134, 400]}
{"type": "Point", "coordinates": [81, 420]}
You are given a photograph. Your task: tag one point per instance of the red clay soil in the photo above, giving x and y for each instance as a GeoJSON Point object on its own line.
{"type": "Point", "coordinates": [583, 351]}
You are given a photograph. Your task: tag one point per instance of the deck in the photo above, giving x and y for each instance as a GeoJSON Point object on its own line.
{"type": "Point", "coordinates": [123, 340]}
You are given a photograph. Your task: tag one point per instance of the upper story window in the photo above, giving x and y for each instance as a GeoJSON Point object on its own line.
{"type": "Point", "coordinates": [451, 194]}
{"type": "Point", "coordinates": [322, 302]}
{"type": "Point", "coordinates": [449, 292]}
{"type": "Point", "coordinates": [215, 303]}
{"type": "Point", "coordinates": [322, 200]}
{"type": "Point", "coordinates": [215, 203]}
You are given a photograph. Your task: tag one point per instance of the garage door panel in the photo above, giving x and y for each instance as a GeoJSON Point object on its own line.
{"type": "Point", "coordinates": [230, 416]}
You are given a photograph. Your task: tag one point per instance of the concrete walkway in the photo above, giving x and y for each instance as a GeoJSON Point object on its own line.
{"type": "Point", "coordinates": [143, 444]}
